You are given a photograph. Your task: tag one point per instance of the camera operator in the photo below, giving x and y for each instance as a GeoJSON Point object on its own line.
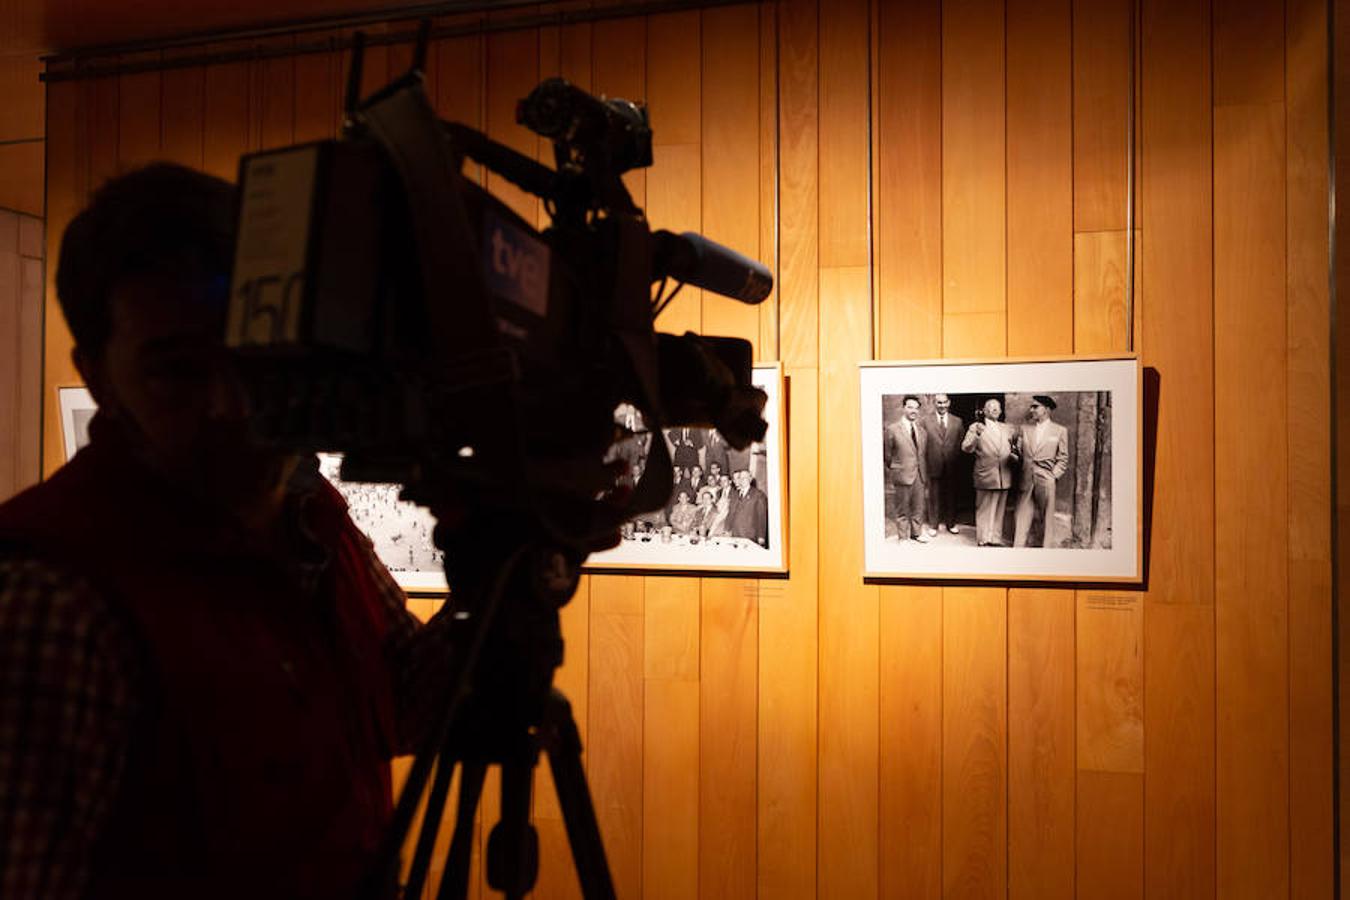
{"type": "Point", "coordinates": [206, 669]}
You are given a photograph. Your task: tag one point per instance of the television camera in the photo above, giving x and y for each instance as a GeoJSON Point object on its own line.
{"type": "Point", "coordinates": [385, 306]}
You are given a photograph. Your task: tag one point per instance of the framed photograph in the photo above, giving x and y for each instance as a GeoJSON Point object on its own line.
{"type": "Point", "coordinates": [77, 409]}
{"type": "Point", "coordinates": [400, 531]}
{"type": "Point", "coordinates": [1002, 470]}
{"type": "Point", "coordinates": [725, 513]}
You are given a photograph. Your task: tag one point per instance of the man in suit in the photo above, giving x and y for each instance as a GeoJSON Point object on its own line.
{"type": "Point", "coordinates": [943, 451]}
{"type": "Point", "coordinates": [991, 441]}
{"type": "Point", "coordinates": [1044, 448]}
{"type": "Point", "coordinates": [907, 467]}
{"type": "Point", "coordinates": [685, 444]}
{"type": "Point", "coordinates": [749, 509]}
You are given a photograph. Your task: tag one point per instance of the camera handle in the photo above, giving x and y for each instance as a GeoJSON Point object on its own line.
{"type": "Point", "coordinates": [507, 642]}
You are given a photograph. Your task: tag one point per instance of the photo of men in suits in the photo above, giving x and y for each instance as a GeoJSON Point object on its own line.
{"type": "Point", "coordinates": [1011, 469]}
{"type": "Point", "coordinates": [906, 459]}
{"type": "Point", "coordinates": [748, 509]}
{"type": "Point", "coordinates": [943, 455]}
{"type": "Point", "coordinates": [992, 443]}
{"type": "Point", "coordinates": [1044, 450]}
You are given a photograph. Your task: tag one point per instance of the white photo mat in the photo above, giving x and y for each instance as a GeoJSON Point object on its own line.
{"type": "Point", "coordinates": [886, 557]}
{"type": "Point", "coordinates": [667, 553]}
{"type": "Point", "coordinates": [77, 408]}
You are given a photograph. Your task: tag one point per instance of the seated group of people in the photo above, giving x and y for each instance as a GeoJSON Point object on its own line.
{"type": "Point", "coordinates": [713, 505]}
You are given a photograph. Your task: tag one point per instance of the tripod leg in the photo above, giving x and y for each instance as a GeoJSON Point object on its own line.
{"type": "Point", "coordinates": [569, 778]}
{"type": "Point", "coordinates": [455, 880]}
{"type": "Point", "coordinates": [431, 826]}
{"type": "Point", "coordinates": [513, 848]}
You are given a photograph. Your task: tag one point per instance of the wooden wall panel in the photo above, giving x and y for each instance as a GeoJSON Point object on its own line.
{"type": "Point", "coordinates": [907, 217]}
{"type": "Point", "coordinates": [907, 212]}
{"type": "Point", "coordinates": [1251, 572]}
{"type": "Point", "coordinates": [799, 118]}
{"type": "Point", "coordinates": [1310, 415]}
{"type": "Point", "coordinates": [928, 178]}
{"type": "Point", "coordinates": [1176, 216]}
{"type": "Point", "coordinates": [730, 106]}
{"type": "Point", "coordinates": [848, 700]}
{"type": "Point", "coordinates": [787, 792]}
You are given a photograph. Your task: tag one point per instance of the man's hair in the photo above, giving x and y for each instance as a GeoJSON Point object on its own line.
{"type": "Point", "coordinates": [160, 219]}
{"type": "Point", "coordinates": [908, 397]}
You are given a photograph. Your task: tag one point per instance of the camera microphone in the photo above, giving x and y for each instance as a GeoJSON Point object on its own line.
{"type": "Point", "coordinates": [697, 261]}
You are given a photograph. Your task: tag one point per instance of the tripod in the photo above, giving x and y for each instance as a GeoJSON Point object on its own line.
{"type": "Point", "coordinates": [503, 711]}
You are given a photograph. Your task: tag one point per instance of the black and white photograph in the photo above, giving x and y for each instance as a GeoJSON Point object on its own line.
{"type": "Point", "coordinates": [77, 410]}
{"type": "Point", "coordinates": [400, 531]}
{"type": "Point", "coordinates": [1017, 470]}
{"type": "Point", "coordinates": [725, 511]}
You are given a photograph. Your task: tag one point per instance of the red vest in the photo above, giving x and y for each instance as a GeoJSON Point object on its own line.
{"type": "Point", "coordinates": [260, 767]}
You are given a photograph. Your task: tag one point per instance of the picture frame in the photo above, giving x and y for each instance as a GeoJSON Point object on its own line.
{"type": "Point", "coordinates": [401, 531]}
{"type": "Point", "coordinates": [1012, 500]}
{"type": "Point", "coordinates": [77, 409]}
{"type": "Point", "coordinates": [719, 529]}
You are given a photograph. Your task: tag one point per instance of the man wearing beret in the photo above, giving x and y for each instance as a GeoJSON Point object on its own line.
{"type": "Point", "coordinates": [1044, 448]}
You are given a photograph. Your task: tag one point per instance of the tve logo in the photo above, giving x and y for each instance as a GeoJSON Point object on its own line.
{"type": "Point", "coordinates": [515, 264]}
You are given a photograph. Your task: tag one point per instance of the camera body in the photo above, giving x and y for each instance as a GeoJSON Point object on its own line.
{"type": "Point", "coordinates": [385, 307]}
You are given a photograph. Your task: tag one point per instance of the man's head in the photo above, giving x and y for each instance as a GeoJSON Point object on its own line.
{"type": "Point", "coordinates": [942, 403]}
{"type": "Point", "coordinates": [741, 478]}
{"type": "Point", "coordinates": [143, 284]}
{"type": "Point", "coordinates": [714, 471]}
{"type": "Point", "coordinates": [911, 404]}
{"type": "Point", "coordinates": [992, 409]}
{"type": "Point", "coordinates": [1040, 407]}
{"type": "Point", "coordinates": [695, 473]}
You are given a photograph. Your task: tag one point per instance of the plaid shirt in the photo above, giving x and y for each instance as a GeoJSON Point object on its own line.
{"type": "Point", "coordinates": [70, 688]}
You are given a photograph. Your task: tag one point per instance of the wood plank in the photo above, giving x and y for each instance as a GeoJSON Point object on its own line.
{"type": "Point", "coordinates": [974, 743]}
{"type": "Point", "coordinates": [1101, 93]}
{"type": "Point", "coordinates": [318, 92]}
{"type": "Point", "coordinates": [674, 202]}
{"type": "Point", "coordinates": [1039, 176]}
{"type": "Point", "coordinates": [138, 133]}
{"type": "Point", "coordinates": [848, 817]}
{"type": "Point", "coordinates": [731, 154]}
{"type": "Point", "coordinates": [911, 742]}
{"type": "Point", "coordinates": [798, 186]}
{"type": "Point", "coordinates": [1041, 682]}
{"type": "Point", "coordinates": [1179, 722]}
{"type": "Point", "coordinates": [907, 211]}
{"type": "Point", "coordinates": [461, 93]}
{"type": "Point", "coordinates": [21, 176]}
{"type": "Point", "coordinates": [512, 72]}
{"type": "Point", "coordinates": [1176, 217]}
{"type": "Point", "coordinates": [1248, 52]}
{"type": "Point", "coordinates": [844, 126]}
{"type": "Point", "coordinates": [1310, 465]}
{"type": "Point", "coordinates": [670, 796]}
{"type": "Point", "coordinates": [787, 669]}
{"type": "Point", "coordinates": [28, 458]}
{"type": "Point", "coordinates": [1101, 320]}
{"type": "Point", "coordinates": [66, 179]}
{"type": "Point", "coordinates": [1109, 857]}
{"type": "Point", "coordinates": [614, 707]}
{"type": "Point", "coordinates": [674, 85]}
{"type": "Point", "coordinates": [1251, 435]}
{"type": "Point", "coordinates": [183, 112]}
{"type": "Point", "coordinates": [11, 350]}
{"type": "Point", "coordinates": [278, 99]}
{"type": "Point", "coordinates": [728, 679]}
{"type": "Point", "coordinates": [618, 69]}
{"type": "Point", "coordinates": [768, 345]}
{"type": "Point", "coordinates": [966, 335]}
{"type": "Point", "coordinates": [1110, 696]}
{"type": "Point", "coordinates": [973, 154]}
{"type": "Point", "coordinates": [227, 117]}
{"type": "Point", "coordinates": [670, 770]}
